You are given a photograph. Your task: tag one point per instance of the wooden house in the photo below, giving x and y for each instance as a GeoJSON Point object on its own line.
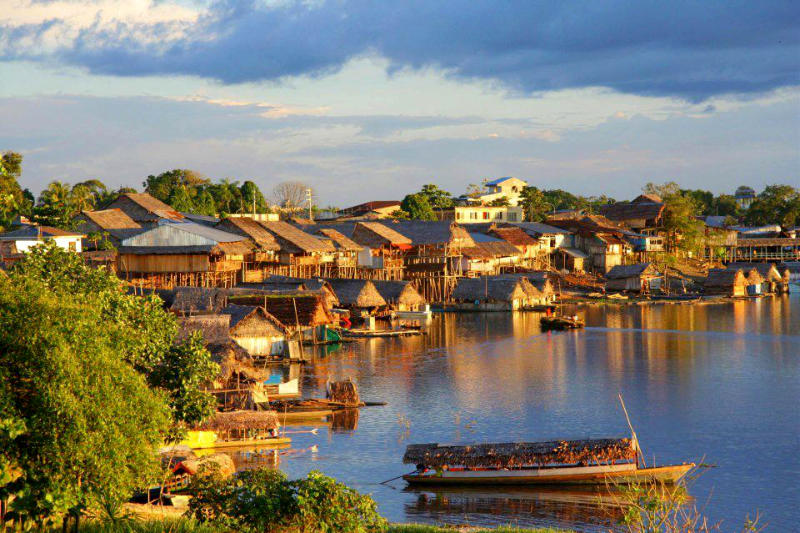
{"type": "Point", "coordinates": [489, 255]}
{"type": "Point", "coordinates": [400, 295]}
{"type": "Point", "coordinates": [384, 248]}
{"type": "Point", "coordinates": [347, 250]}
{"type": "Point", "coordinates": [264, 256]}
{"type": "Point", "coordinates": [358, 295]}
{"type": "Point", "coordinates": [772, 280]}
{"type": "Point", "coordinates": [192, 301]}
{"type": "Point", "coordinates": [145, 210]}
{"type": "Point", "coordinates": [255, 330]}
{"type": "Point", "coordinates": [724, 282]}
{"type": "Point", "coordinates": [640, 277]}
{"type": "Point", "coordinates": [644, 214]}
{"type": "Point", "coordinates": [598, 237]}
{"type": "Point", "coordinates": [172, 254]}
{"type": "Point", "coordinates": [300, 252]}
{"type": "Point", "coordinates": [530, 248]}
{"type": "Point", "coordinates": [288, 284]}
{"type": "Point", "coordinates": [490, 294]}
{"type": "Point", "coordinates": [112, 225]}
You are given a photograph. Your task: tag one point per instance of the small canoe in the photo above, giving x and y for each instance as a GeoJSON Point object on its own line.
{"type": "Point", "coordinates": [560, 322]}
{"type": "Point", "coordinates": [314, 408]}
{"type": "Point", "coordinates": [572, 475]}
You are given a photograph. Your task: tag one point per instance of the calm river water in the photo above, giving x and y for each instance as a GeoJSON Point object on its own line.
{"type": "Point", "coordinates": [715, 383]}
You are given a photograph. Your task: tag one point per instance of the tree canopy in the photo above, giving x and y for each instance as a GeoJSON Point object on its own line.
{"type": "Point", "coordinates": [776, 204]}
{"type": "Point", "coordinates": [417, 207]}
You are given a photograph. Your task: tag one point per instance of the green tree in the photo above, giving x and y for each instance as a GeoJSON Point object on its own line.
{"type": "Point", "coordinates": [12, 198]}
{"type": "Point", "coordinates": [164, 184]}
{"type": "Point", "coordinates": [777, 204]}
{"type": "Point", "coordinates": [437, 198]}
{"type": "Point", "coordinates": [683, 230]}
{"type": "Point", "coordinates": [84, 424]}
{"type": "Point", "coordinates": [534, 204]}
{"type": "Point", "coordinates": [417, 207]}
{"type": "Point", "coordinates": [55, 206]}
{"type": "Point", "coordinates": [251, 196]}
{"type": "Point", "coordinates": [204, 204]}
{"type": "Point", "coordinates": [704, 200]}
{"type": "Point", "coordinates": [563, 200]}
{"type": "Point", "coordinates": [142, 331]}
{"type": "Point", "coordinates": [181, 200]}
{"type": "Point", "coordinates": [500, 202]}
{"type": "Point", "coordinates": [726, 205]}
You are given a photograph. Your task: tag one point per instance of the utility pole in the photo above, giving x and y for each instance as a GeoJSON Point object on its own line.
{"type": "Point", "coordinates": [308, 197]}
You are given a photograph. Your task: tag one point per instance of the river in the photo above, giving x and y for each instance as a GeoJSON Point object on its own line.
{"type": "Point", "coordinates": [717, 384]}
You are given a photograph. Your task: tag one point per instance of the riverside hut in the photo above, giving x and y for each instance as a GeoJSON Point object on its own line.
{"type": "Point", "coordinates": [772, 280]}
{"type": "Point", "coordinates": [264, 254]}
{"type": "Point", "coordinates": [198, 300]}
{"type": "Point", "coordinates": [358, 295]}
{"type": "Point", "coordinates": [347, 250]}
{"type": "Point", "coordinates": [255, 330]}
{"type": "Point", "coordinates": [145, 210]}
{"type": "Point", "coordinates": [639, 277]}
{"type": "Point", "coordinates": [300, 252]}
{"type": "Point", "coordinates": [723, 282]}
{"type": "Point", "coordinates": [108, 224]}
{"type": "Point", "coordinates": [490, 294]}
{"type": "Point", "coordinates": [400, 295]}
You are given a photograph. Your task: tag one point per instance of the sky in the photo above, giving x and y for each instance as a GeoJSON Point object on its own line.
{"type": "Point", "coordinates": [369, 100]}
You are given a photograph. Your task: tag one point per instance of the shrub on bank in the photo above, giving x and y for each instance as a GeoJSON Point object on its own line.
{"type": "Point", "coordinates": [266, 501]}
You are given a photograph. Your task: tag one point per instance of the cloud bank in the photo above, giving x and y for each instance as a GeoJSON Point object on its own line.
{"type": "Point", "coordinates": [684, 49]}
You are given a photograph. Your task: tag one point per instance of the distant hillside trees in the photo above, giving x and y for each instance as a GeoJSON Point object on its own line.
{"type": "Point", "coordinates": [777, 204]}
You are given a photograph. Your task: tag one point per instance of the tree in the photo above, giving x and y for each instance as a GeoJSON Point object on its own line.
{"type": "Point", "coordinates": [290, 194]}
{"type": "Point", "coordinates": [500, 202]}
{"type": "Point", "coordinates": [683, 229]}
{"type": "Point", "coordinates": [474, 190]}
{"type": "Point", "coordinates": [534, 204]}
{"type": "Point", "coordinates": [563, 200]}
{"type": "Point", "coordinates": [437, 198]}
{"type": "Point", "coordinates": [77, 423]}
{"type": "Point", "coordinates": [142, 331]}
{"type": "Point", "coordinates": [253, 199]}
{"type": "Point", "coordinates": [12, 198]}
{"type": "Point", "coordinates": [704, 200]}
{"type": "Point", "coordinates": [180, 200]}
{"type": "Point", "coordinates": [417, 207]}
{"type": "Point", "coordinates": [726, 205]}
{"type": "Point", "coordinates": [162, 186]}
{"type": "Point", "coordinates": [777, 204]}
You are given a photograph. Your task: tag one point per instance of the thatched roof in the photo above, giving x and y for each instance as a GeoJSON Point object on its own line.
{"type": "Point", "coordinates": [192, 300]}
{"type": "Point", "coordinates": [631, 271]}
{"type": "Point", "coordinates": [356, 293]}
{"type": "Point", "coordinates": [109, 219]}
{"type": "Point", "coordinates": [427, 232]}
{"type": "Point", "coordinates": [399, 292]}
{"type": "Point", "coordinates": [720, 277]}
{"type": "Point", "coordinates": [490, 289]}
{"type": "Point", "coordinates": [242, 420]}
{"type": "Point", "coordinates": [768, 271]}
{"type": "Point", "coordinates": [490, 249]}
{"type": "Point", "coordinates": [304, 309]}
{"type": "Point", "coordinates": [214, 328]}
{"type": "Point", "coordinates": [511, 454]}
{"type": "Point", "coordinates": [154, 207]}
{"type": "Point", "coordinates": [514, 235]}
{"type": "Point", "coordinates": [642, 208]}
{"type": "Point", "coordinates": [375, 235]}
{"type": "Point", "coordinates": [253, 321]}
{"type": "Point", "coordinates": [294, 240]}
{"type": "Point", "coordinates": [251, 229]}
{"type": "Point", "coordinates": [235, 362]}
{"type": "Point", "coordinates": [340, 241]}
{"type": "Point", "coordinates": [288, 283]}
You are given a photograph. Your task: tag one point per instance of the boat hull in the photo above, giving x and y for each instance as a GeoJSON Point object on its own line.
{"type": "Point", "coordinates": [617, 474]}
{"type": "Point", "coordinates": [208, 440]}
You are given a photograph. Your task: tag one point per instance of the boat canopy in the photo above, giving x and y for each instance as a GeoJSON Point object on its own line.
{"type": "Point", "coordinates": [519, 454]}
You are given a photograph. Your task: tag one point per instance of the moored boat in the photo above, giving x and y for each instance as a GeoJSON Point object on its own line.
{"type": "Point", "coordinates": [576, 462]}
{"type": "Point", "coordinates": [234, 429]}
{"type": "Point", "coordinates": [561, 322]}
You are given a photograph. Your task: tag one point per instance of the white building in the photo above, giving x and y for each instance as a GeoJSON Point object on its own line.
{"type": "Point", "coordinates": [26, 237]}
{"type": "Point", "coordinates": [507, 187]}
{"type": "Point", "coordinates": [474, 214]}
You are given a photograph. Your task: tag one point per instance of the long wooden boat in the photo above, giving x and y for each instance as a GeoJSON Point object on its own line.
{"type": "Point", "coordinates": [206, 440]}
{"type": "Point", "coordinates": [582, 462]}
{"type": "Point", "coordinates": [235, 429]}
{"type": "Point", "coordinates": [560, 322]}
{"type": "Point", "coordinates": [313, 408]}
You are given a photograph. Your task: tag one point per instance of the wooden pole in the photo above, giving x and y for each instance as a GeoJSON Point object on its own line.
{"type": "Point", "coordinates": [633, 432]}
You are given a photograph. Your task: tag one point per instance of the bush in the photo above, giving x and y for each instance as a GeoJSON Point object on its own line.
{"type": "Point", "coordinates": [266, 501]}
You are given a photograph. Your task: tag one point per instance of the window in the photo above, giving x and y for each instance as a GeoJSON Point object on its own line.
{"type": "Point", "coordinates": [473, 215]}
{"type": "Point", "coordinates": [486, 215]}
{"type": "Point", "coordinates": [458, 215]}
{"type": "Point", "coordinates": [512, 217]}
{"type": "Point", "coordinates": [499, 215]}
{"type": "Point", "coordinates": [73, 247]}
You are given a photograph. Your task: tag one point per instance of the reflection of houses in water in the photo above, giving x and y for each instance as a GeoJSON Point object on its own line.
{"type": "Point", "coordinates": [524, 507]}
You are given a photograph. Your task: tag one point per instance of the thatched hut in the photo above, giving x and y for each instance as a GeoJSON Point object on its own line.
{"type": "Point", "coordinates": [198, 300]}
{"type": "Point", "coordinates": [490, 294]}
{"type": "Point", "coordinates": [723, 282]}
{"type": "Point", "coordinates": [215, 328]}
{"type": "Point", "coordinates": [357, 295]}
{"type": "Point", "coordinates": [347, 249]}
{"type": "Point", "coordinates": [639, 277]}
{"type": "Point", "coordinates": [772, 281]}
{"type": "Point", "coordinates": [344, 392]}
{"type": "Point", "coordinates": [265, 244]}
{"type": "Point", "coordinates": [400, 295]}
{"type": "Point", "coordinates": [233, 425]}
{"type": "Point", "coordinates": [298, 248]}
{"type": "Point", "coordinates": [522, 454]}
{"type": "Point", "coordinates": [255, 330]}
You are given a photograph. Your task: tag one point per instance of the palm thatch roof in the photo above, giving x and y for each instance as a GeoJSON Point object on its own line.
{"type": "Point", "coordinates": [490, 249]}
{"type": "Point", "coordinates": [375, 235]}
{"type": "Point", "coordinates": [247, 227]}
{"type": "Point", "coordinates": [490, 290]}
{"type": "Point", "coordinates": [399, 292]}
{"type": "Point", "coordinates": [264, 420]}
{"type": "Point", "coordinates": [768, 271]}
{"type": "Point", "coordinates": [514, 235]}
{"type": "Point", "coordinates": [292, 310]}
{"type": "Point", "coordinates": [631, 271]}
{"type": "Point", "coordinates": [340, 241]}
{"type": "Point", "coordinates": [294, 240]}
{"type": "Point", "coordinates": [630, 211]}
{"type": "Point", "coordinates": [108, 219]}
{"type": "Point", "coordinates": [356, 293]}
{"type": "Point", "coordinates": [150, 209]}
{"type": "Point", "coordinates": [214, 328]}
{"type": "Point", "coordinates": [198, 300]}
{"type": "Point", "coordinates": [345, 392]}
{"type": "Point", "coordinates": [517, 454]}
{"type": "Point", "coordinates": [432, 232]}
{"type": "Point", "coordinates": [724, 278]}
{"type": "Point", "coordinates": [247, 320]}
{"type": "Point", "coordinates": [288, 283]}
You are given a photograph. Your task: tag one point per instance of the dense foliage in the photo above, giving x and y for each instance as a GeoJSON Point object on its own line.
{"type": "Point", "coordinates": [777, 204]}
{"type": "Point", "coordinates": [265, 501]}
{"type": "Point", "coordinates": [78, 424]}
{"type": "Point", "coordinates": [417, 207]}
{"type": "Point", "coordinates": [683, 230]}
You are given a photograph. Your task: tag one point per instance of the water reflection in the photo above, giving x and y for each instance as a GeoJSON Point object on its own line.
{"type": "Point", "coordinates": [719, 382]}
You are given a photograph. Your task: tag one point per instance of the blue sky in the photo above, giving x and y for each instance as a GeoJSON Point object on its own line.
{"type": "Point", "coordinates": [370, 100]}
